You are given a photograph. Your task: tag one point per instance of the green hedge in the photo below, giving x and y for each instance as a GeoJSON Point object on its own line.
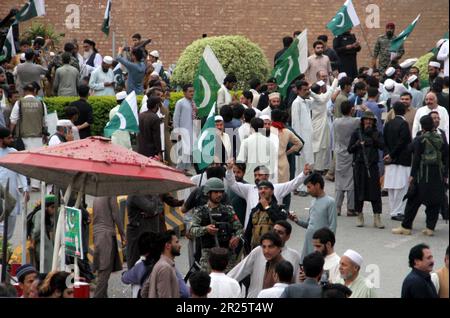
{"type": "Point", "coordinates": [101, 105]}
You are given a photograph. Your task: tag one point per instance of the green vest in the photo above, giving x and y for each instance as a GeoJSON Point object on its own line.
{"type": "Point", "coordinates": [31, 117]}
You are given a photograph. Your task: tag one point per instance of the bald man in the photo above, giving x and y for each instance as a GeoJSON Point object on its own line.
{"type": "Point", "coordinates": [431, 105]}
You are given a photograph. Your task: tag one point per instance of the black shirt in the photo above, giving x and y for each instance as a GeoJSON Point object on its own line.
{"type": "Point", "coordinates": [418, 284]}
{"type": "Point", "coordinates": [85, 110]}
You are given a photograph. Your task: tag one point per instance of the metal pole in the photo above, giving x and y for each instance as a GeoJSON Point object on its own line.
{"type": "Point", "coordinates": [75, 259]}
{"type": "Point", "coordinates": [42, 238]}
{"type": "Point", "coordinates": [24, 231]}
{"type": "Point", "coordinates": [365, 39]}
{"type": "Point", "coordinates": [113, 44]}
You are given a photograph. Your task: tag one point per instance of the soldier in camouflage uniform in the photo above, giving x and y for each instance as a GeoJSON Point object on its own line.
{"type": "Point", "coordinates": [57, 60]}
{"type": "Point", "coordinates": [382, 51]}
{"type": "Point", "coordinates": [216, 224]}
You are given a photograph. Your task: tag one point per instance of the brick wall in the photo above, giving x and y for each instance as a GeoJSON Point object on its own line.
{"type": "Point", "coordinates": [174, 24]}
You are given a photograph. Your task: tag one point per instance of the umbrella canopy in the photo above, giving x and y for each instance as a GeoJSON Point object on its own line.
{"type": "Point", "coordinates": [104, 168]}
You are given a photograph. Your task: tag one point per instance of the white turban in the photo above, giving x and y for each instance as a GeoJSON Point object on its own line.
{"type": "Point", "coordinates": [354, 256]}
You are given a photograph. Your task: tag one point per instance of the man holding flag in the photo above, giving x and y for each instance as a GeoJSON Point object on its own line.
{"type": "Point", "coordinates": [382, 49]}
{"type": "Point", "coordinates": [345, 43]}
{"type": "Point", "coordinates": [123, 120]}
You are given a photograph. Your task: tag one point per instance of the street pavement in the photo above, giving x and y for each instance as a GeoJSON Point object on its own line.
{"type": "Point", "coordinates": [385, 255]}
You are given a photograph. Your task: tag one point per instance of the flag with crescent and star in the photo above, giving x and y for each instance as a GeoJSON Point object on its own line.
{"type": "Point", "coordinates": [345, 19]}
{"type": "Point", "coordinates": [292, 63]}
{"type": "Point", "coordinates": [207, 81]}
{"type": "Point", "coordinates": [126, 117]}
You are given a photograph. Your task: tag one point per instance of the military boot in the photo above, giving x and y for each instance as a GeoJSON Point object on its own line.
{"type": "Point", "coordinates": [360, 220]}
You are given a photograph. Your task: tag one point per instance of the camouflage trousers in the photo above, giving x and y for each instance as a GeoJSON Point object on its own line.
{"type": "Point", "coordinates": [232, 260]}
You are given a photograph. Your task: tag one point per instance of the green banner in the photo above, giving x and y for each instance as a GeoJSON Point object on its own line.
{"type": "Point", "coordinates": [72, 238]}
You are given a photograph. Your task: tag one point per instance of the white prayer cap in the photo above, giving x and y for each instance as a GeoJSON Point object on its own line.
{"type": "Point", "coordinates": [218, 118]}
{"type": "Point", "coordinates": [108, 60]}
{"type": "Point", "coordinates": [265, 117]}
{"type": "Point", "coordinates": [440, 42]}
{"type": "Point", "coordinates": [389, 84]}
{"type": "Point", "coordinates": [22, 57]}
{"type": "Point", "coordinates": [121, 95]}
{"type": "Point", "coordinates": [155, 73]}
{"type": "Point", "coordinates": [274, 95]}
{"type": "Point", "coordinates": [412, 79]}
{"type": "Point", "coordinates": [64, 123]}
{"type": "Point", "coordinates": [154, 54]}
{"type": "Point", "coordinates": [342, 75]}
{"type": "Point", "coordinates": [435, 64]}
{"type": "Point", "coordinates": [321, 83]}
{"type": "Point", "coordinates": [354, 256]}
{"type": "Point", "coordinates": [52, 54]}
{"type": "Point", "coordinates": [408, 63]}
{"type": "Point", "coordinates": [390, 71]}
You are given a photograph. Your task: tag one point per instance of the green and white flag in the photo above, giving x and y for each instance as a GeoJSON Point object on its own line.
{"type": "Point", "coordinates": [205, 146]}
{"type": "Point", "coordinates": [292, 63]}
{"type": "Point", "coordinates": [401, 38]}
{"type": "Point", "coordinates": [33, 8]}
{"type": "Point", "coordinates": [345, 19]}
{"type": "Point", "coordinates": [107, 19]}
{"type": "Point", "coordinates": [9, 49]}
{"type": "Point", "coordinates": [207, 81]}
{"type": "Point", "coordinates": [126, 117]}
{"type": "Point", "coordinates": [73, 239]}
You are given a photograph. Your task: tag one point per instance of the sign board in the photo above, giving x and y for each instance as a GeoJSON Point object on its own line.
{"type": "Point", "coordinates": [72, 238]}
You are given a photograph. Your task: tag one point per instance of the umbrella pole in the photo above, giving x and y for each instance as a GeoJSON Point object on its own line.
{"type": "Point", "coordinates": [58, 237]}
{"type": "Point", "coordinates": [24, 232]}
{"type": "Point", "coordinates": [42, 237]}
{"type": "Point", "coordinates": [4, 243]}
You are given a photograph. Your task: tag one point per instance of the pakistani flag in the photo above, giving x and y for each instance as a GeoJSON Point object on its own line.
{"type": "Point", "coordinates": [126, 117]}
{"type": "Point", "coordinates": [292, 63]}
{"type": "Point", "coordinates": [400, 39]}
{"type": "Point", "coordinates": [9, 49]}
{"type": "Point", "coordinates": [344, 20]}
{"type": "Point", "coordinates": [107, 19]}
{"type": "Point", "coordinates": [207, 81]}
{"type": "Point", "coordinates": [206, 142]}
{"type": "Point", "coordinates": [33, 8]}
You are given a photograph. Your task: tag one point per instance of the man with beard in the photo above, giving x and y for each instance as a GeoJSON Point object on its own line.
{"type": "Point", "coordinates": [434, 69]}
{"type": "Point", "coordinates": [410, 112]}
{"type": "Point", "coordinates": [347, 48]}
{"type": "Point", "coordinates": [216, 224]}
{"type": "Point", "coordinates": [271, 87]}
{"type": "Point", "coordinates": [223, 95]}
{"type": "Point", "coordinates": [274, 103]}
{"type": "Point", "coordinates": [317, 62]}
{"type": "Point", "coordinates": [163, 280]}
{"type": "Point", "coordinates": [57, 61]}
{"type": "Point", "coordinates": [263, 216]}
{"type": "Point", "coordinates": [349, 268]}
{"type": "Point", "coordinates": [91, 58]}
{"type": "Point", "coordinates": [382, 49]}
{"type": "Point", "coordinates": [323, 242]}
{"type": "Point", "coordinates": [249, 192]}
{"type": "Point", "coordinates": [102, 79]}
{"type": "Point", "coordinates": [364, 145]}
{"type": "Point", "coordinates": [418, 283]}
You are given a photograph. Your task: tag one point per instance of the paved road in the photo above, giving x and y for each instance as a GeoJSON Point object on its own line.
{"type": "Point", "coordinates": [383, 252]}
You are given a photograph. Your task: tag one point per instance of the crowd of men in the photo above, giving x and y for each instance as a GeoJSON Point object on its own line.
{"type": "Point", "coordinates": [373, 131]}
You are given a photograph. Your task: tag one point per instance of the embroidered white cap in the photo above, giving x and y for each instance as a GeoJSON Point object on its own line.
{"type": "Point", "coordinates": [121, 95]}
{"type": "Point", "coordinates": [354, 256]}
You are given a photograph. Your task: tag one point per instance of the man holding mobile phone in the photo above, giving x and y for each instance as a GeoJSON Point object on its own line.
{"type": "Point", "coordinates": [63, 133]}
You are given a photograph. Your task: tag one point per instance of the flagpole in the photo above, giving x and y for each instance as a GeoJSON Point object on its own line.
{"type": "Point", "coordinates": [365, 39]}
{"type": "Point", "coordinates": [114, 44]}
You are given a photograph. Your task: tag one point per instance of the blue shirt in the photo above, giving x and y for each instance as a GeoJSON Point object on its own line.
{"type": "Point", "coordinates": [136, 73]}
{"type": "Point", "coordinates": [184, 290]}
